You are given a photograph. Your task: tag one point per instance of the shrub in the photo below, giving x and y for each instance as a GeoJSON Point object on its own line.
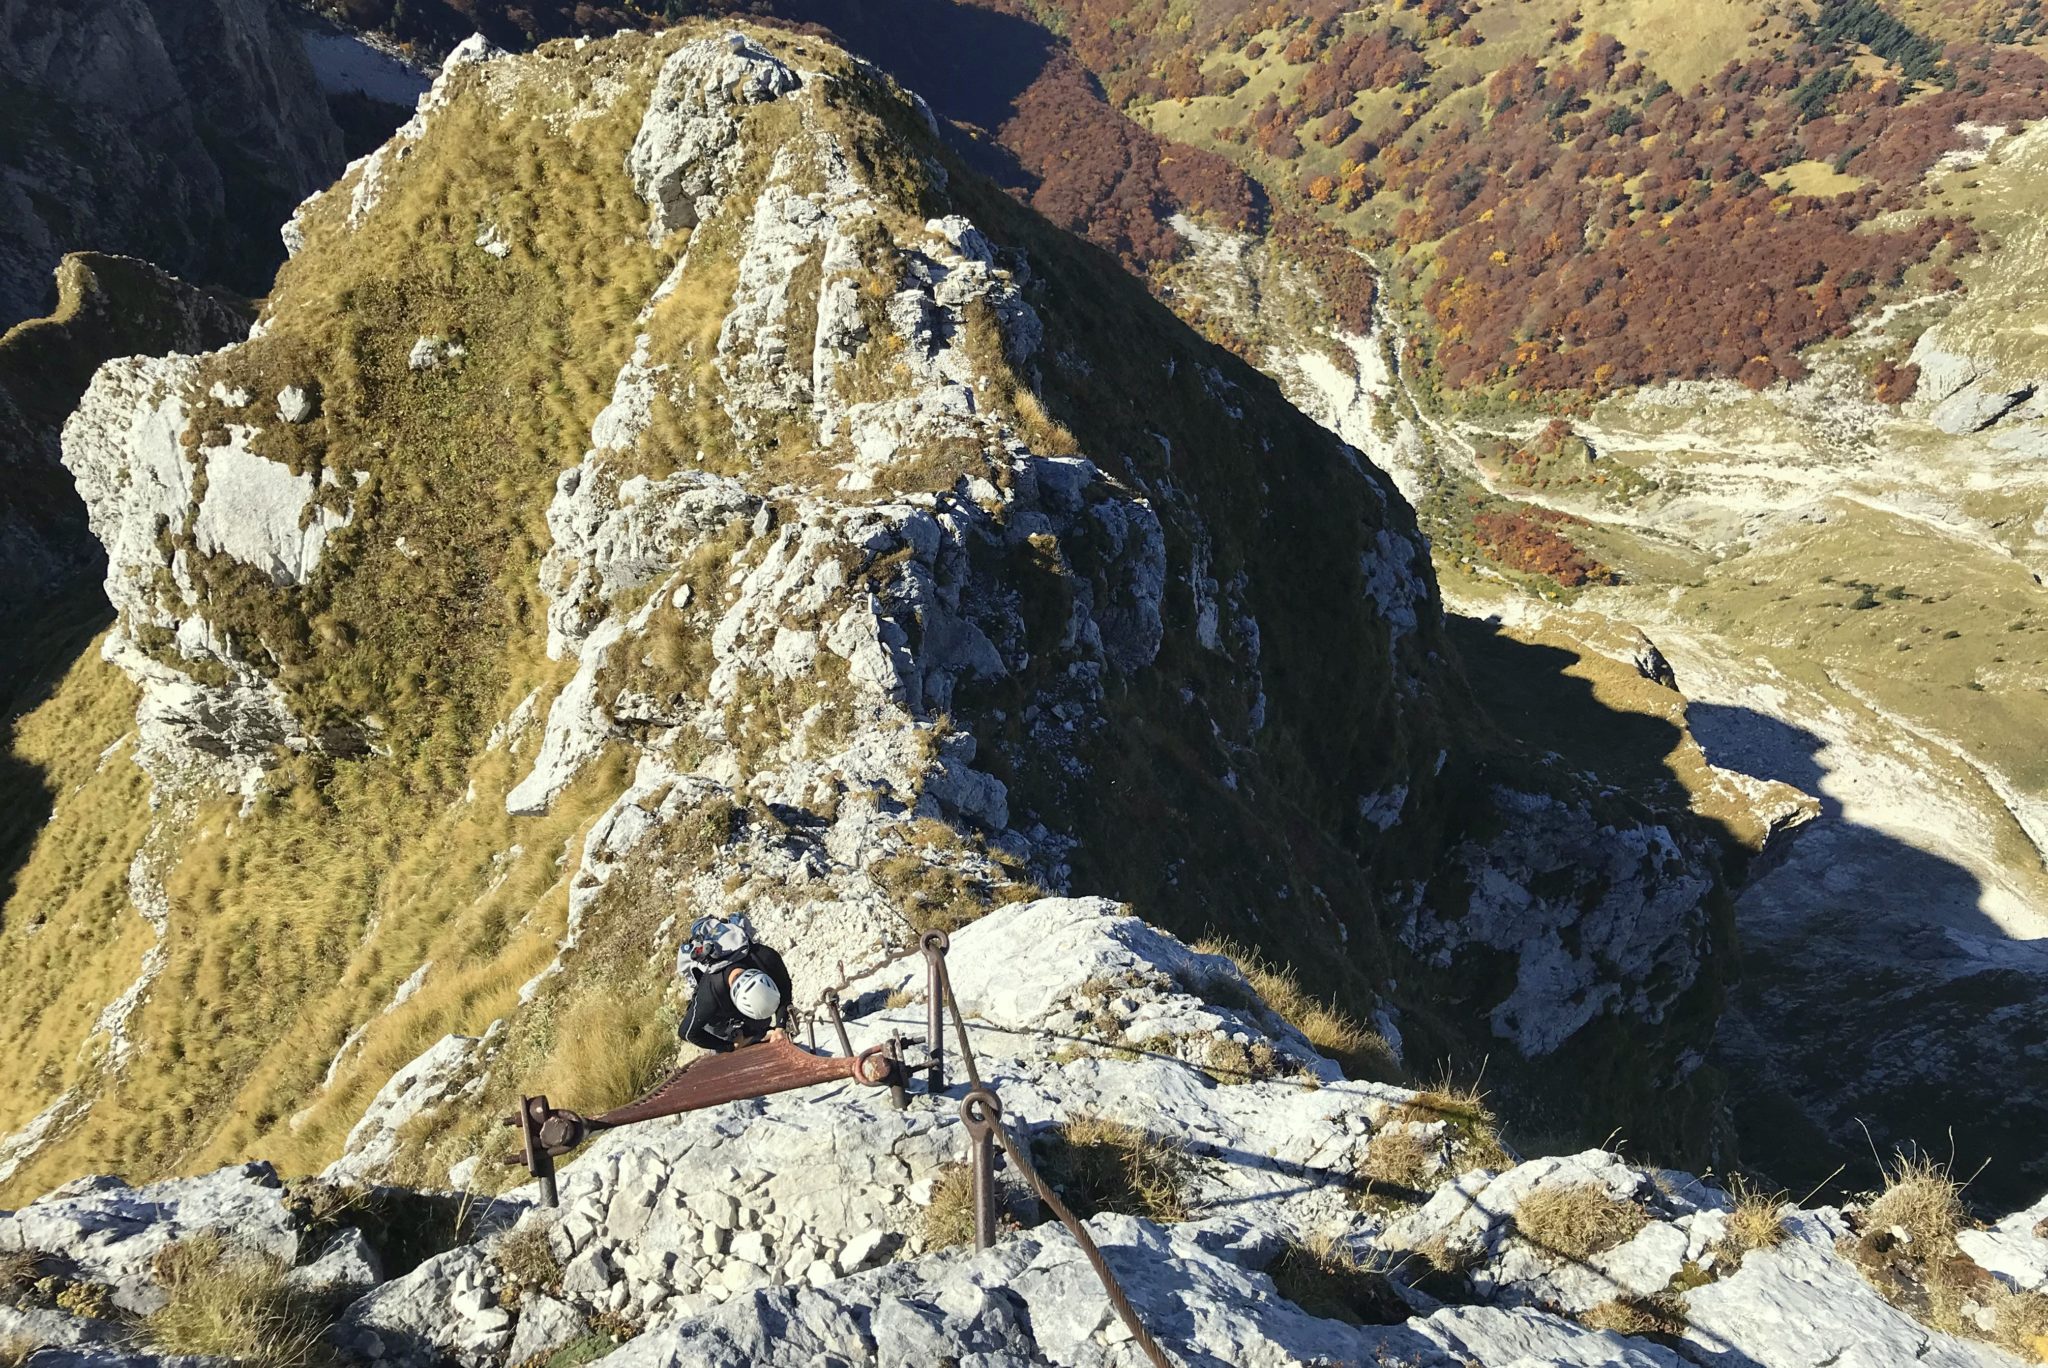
{"type": "Point", "coordinates": [87, 1299]}
{"type": "Point", "coordinates": [231, 1303]}
{"type": "Point", "coordinates": [577, 1352]}
{"type": "Point", "coordinates": [1362, 1052]}
{"type": "Point", "coordinates": [1577, 1220]}
{"type": "Point", "coordinates": [1324, 1278]}
{"type": "Point", "coordinates": [1100, 1165]}
{"type": "Point", "coordinates": [526, 1258]}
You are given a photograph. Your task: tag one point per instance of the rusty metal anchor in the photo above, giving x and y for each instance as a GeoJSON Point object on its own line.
{"type": "Point", "coordinates": [778, 1064]}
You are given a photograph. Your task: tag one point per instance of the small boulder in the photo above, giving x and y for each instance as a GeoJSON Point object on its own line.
{"type": "Point", "coordinates": [590, 1274]}
{"type": "Point", "coordinates": [543, 1328]}
{"type": "Point", "coordinates": [431, 353]}
{"type": "Point", "coordinates": [348, 1266]}
{"type": "Point", "coordinates": [296, 404]}
{"type": "Point", "coordinates": [867, 1249]}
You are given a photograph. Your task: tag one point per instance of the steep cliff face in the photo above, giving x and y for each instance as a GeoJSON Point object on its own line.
{"type": "Point", "coordinates": [178, 132]}
{"type": "Point", "coordinates": [665, 482]}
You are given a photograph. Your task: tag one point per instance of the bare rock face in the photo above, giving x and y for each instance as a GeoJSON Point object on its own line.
{"type": "Point", "coordinates": [174, 131]}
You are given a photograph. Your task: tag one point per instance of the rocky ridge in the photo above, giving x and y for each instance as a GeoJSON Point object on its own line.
{"type": "Point", "coordinates": [812, 1227]}
{"type": "Point", "coordinates": [875, 595]}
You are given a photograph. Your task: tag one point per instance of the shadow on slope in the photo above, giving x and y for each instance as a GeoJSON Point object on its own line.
{"type": "Point", "coordinates": [1873, 991]}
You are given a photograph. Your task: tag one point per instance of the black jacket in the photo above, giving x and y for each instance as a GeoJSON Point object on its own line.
{"type": "Point", "coordinates": [714, 1023]}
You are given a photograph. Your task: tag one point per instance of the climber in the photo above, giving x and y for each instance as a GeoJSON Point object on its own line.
{"type": "Point", "coordinates": [742, 988]}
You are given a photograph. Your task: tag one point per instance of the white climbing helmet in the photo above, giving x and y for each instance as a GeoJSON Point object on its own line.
{"type": "Point", "coordinates": [755, 995]}
{"type": "Point", "coordinates": [713, 944]}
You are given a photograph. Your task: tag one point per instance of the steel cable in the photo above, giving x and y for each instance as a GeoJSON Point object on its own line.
{"type": "Point", "coordinates": [1117, 1300]}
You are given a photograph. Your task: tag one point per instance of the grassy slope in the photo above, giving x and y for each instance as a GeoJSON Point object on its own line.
{"type": "Point", "coordinates": [291, 926]}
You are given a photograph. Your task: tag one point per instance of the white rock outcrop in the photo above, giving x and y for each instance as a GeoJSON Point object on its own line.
{"type": "Point", "coordinates": [793, 1230]}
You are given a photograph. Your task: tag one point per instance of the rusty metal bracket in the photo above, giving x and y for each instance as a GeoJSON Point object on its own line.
{"type": "Point", "coordinates": [982, 1113]}
{"type": "Point", "coordinates": [774, 1066]}
{"type": "Point", "coordinates": [540, 1162]}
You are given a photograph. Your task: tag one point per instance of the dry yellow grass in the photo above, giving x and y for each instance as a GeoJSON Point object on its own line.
{"type": "Point", "coordinates": [526, 1258]}
{"type": "Point", "coordinates": [1659, 1315]}
{"type": "Point", "coordinates": [235, 1304]}
{"type": "Point", "coordinates": [1577, 1220]}
{"type": "Point", "coordinates": [1757, 1220]}
{"type": "Point", "coordinates": [15, 1350]}
{"type": "Point", "coordinates": [1922, 1202]}
{"type": "Point", "coordinates": [292, 927]}
{"type": "Point", "coordinates": [1399, 1160]}
{"type": "Point", "coordinates": [1232, 1062]}
{"type": "Point", "coordinates": [2020, 1323]}
{"type": "Point", "coordinates": [1469, 1123]}
{"type": "Point", "coordinates": [1101, 1165]}
{"type": "Point", "coordinates": [19, 1268]}
{"type": "Point", "coordinates": [1363, 1052]}
{"type": "Point", "coordinates": [949, 1220]}
{"type": "Point", "coordinates": [612, 1046]}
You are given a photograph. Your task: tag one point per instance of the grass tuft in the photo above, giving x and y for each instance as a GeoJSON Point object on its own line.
{"type": "Point", "coordinates": [1577, 1220]}
{"type": "Point", "coordinates": [1473, 1129]}
{"type": "Point", "coordinates": [2019, 1322]}
{"type": "Point", "coordinates": [949, 1220]}
{"type": "Point", "coordinates": [1100, 1165]}
{"type": "Point", "coordinates": [19, 1269]}
{"type": "Point", "coordinates": [1659, 1316]}
{"type": "Point", "coordinates": [1757, 1220]}
{"type": "Point", "coordinates": [611, 1047]}
{"type": "Point", "coordinates": [524, 1256]}
{"type": "Point", "coordinates": [230, 1303]}
{"type": "Point", "coordinates": [1923, 1202]}
{"type": "Point", "coordinates": [1230, 1061]}
{"type": "Point", "coordinates": [1398, 1161]}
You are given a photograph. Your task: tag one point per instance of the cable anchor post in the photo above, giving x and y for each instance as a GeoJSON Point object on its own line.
{"type": "Point", "coordinates": [982, 1113]}
{"type": "Point", "coordinates": [899, 1076]}
{"type": "Point", "coordinates": [935, 945]}
{"type": "Point", "coordinates": [831, 996]}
